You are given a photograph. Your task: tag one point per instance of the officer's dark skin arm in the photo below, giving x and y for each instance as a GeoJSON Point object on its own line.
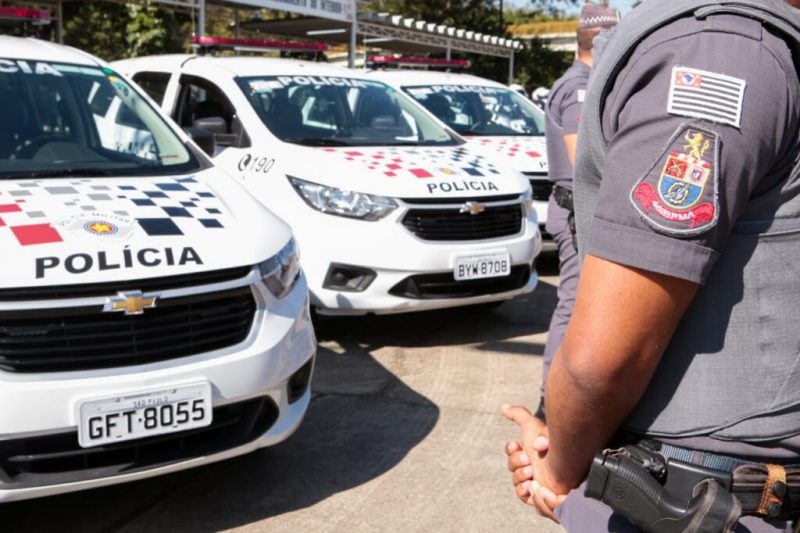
{"type": "Point", "coordinates": [622, 322]}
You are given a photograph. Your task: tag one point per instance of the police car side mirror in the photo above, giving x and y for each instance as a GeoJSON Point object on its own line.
{"type": "Point", "coordinates": [213, 125]}
{"type": "Point", "coordinates": [203, 139]}
{"type": "Point", "coordinates": [383, 122]}
{"type": "Point", "coordinates": [218, 127]}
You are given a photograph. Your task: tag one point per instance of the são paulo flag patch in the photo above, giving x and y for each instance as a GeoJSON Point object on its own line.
{"type": "Point", "coordinates": [679, 195]}
{"type": "Point", "coordinates": [701, 94]}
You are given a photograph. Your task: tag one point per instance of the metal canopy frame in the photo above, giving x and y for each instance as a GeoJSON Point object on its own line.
{"type": "Point", "coordinates": [399, 28]}
{"type": "Point", "coordinates": [377, 26]}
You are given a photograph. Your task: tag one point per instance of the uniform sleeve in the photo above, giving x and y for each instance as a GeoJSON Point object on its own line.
{"type": "Point", "coordinates": [696, 127]}
{"type": "Point", "coordinates": [571, 108]}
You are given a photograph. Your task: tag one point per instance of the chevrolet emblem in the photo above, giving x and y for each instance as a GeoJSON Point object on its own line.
{"type": "Point", "coordinates": [130, 303]}
{"type": "Point", "coordinates": [473, 208]}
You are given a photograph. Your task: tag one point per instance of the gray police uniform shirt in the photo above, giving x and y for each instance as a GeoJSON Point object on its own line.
{"type": "Point", "coordinates": [563, 114]}
{"type": "Point", "coordinates": [700, 122]}
{"type": "Point", "coordinates": [563, 118]}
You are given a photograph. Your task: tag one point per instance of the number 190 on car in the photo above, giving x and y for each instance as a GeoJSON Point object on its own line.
{"type": "Point", "coordinates": [144, 414]}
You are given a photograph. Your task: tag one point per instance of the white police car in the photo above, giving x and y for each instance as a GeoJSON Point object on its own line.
{"type": "Point", "coordinates": [391, 211]}
{"type": "Point", "coordinates": [495, 120]}
{"type": "Point", "coordinates": [153, 316]}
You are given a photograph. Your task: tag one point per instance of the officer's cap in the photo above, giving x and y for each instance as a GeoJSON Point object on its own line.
{"type": "Point", "coordinates": [594, 16]}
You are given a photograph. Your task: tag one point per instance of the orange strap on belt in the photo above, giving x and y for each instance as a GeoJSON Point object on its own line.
{"type": "Point", "coordinates": [774, 491]}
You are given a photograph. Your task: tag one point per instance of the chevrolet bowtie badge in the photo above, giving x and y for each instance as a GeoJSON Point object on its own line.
{"type": "Point", "coordinates": [130, 303]}
{"type": "Point", "coordinates": [473, 208]}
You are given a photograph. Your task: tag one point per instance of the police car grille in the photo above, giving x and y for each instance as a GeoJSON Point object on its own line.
{"type": "Point", "coordinates": [452, 225]}
{"type": "Point", "coordinates": [442, 285]}
{"type": "Point", "coordinates": [55, 459]}
{"type": "Point", "coordinates": [58, 292]}
{"type": "Point", "coordinates": [542, 189]}
{"type": "Point", "coordinates": [84, 338]}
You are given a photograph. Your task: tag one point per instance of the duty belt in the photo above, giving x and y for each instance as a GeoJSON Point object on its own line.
{"type": "Point", "coordinates": [563, 198]}
{"type": "Point", "coordinates": [667, 489]}
{"type": "Point", "coordinates": [762, 489]}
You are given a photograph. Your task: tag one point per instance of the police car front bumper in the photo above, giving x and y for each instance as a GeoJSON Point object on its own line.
{"type": "Point", "coordinates": [392, 259]}
{"type": "Point", "coordinates": [254, 378]}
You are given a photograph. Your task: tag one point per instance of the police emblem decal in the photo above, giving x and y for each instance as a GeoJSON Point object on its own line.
{"type": "Point", "coordinates": [101, 228]}
{"type": "Point", "coordinates": [678, 196]}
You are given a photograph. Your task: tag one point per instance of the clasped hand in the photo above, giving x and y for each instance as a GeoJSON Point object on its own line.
{"type": "Point", "coordinates": [532, 477]}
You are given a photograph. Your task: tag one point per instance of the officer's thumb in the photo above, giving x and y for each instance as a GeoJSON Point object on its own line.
{"type": "Point", "coordinates": [522, 417]}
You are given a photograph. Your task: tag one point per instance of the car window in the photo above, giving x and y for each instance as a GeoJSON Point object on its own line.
{"type": "Point", "coordinates": [200, 99]}
{"type": "Point", "coordinates": [201, 102]}
{"type": "Point", "coordinates": [478, 110]}
{"type": "Point", "coordinates": [153, 83]}
{"type": "Point", "coordinates": [59, 117]}
{"type": "Point", "coordinates": [339, 111]}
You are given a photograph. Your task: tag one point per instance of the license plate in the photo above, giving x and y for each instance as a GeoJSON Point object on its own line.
{"type": "Point", "coordinates": [144, 414]}
{"type": "Point", "coordinates": [482, 266]}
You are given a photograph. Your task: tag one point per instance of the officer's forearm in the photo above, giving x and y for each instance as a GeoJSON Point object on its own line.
{"type": "Point", "coordinates": [571, 142]}
{"type": "Point", "coordinates": [623, 320]}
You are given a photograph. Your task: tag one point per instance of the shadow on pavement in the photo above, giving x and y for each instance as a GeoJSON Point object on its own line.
{"type": "Point", "coordinates": [362, 422]}
{"type": "Point", "coordinates": [524, 315]}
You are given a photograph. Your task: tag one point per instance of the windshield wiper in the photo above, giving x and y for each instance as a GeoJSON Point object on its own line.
{"type": "Point", "coordinates": [419, 143]}
{"type": "Point", "coordinates": [65, 173]}
{"type": "Point", "coordinates": [317, 141]}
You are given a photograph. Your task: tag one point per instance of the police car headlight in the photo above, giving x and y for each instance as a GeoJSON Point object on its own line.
{"type": "Point", "coordinates": [527, 201]}
{"type": "Point", "coordinates": [343, 203]}
{"type": "Point", "coordinates": [281, 271]}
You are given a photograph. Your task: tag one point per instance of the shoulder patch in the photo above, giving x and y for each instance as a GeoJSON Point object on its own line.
{"type": "Point", "coordinates": [581, 95]}
{"type": "Point", "coordinates": [679, 194]}
{"type": "Point", "coordinates": [702, 94]}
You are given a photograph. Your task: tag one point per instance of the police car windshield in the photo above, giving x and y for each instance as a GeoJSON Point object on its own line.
{"type": "Point", "coordinates": [476, 110]}
{"type": "Point", "coordinates": [338, 111]}
{"type": "Point", "coordinates": [69, 120]}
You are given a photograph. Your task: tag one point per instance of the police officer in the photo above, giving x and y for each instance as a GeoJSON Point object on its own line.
{"type": "Point", "coordinates": [563, 117]}
{"type": "Point", "coordinates": [683, 336]}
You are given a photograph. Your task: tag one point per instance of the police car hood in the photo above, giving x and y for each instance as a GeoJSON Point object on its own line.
{"type": "Point", "coordinates": [522, 153]}
{"type": "Point", "coordinates": [407, 171]}
{"type": "Point", "coordinates": [79, 231]}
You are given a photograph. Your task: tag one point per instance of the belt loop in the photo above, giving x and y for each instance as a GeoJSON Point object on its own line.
{"type": "Point", "coordinates": [774, 492]}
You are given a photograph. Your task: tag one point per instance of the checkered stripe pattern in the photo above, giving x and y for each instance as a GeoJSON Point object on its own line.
{"type": "Point", "coordinates": [163, 206]}
{"type": "Point", "coordinates": [599, 20]}
{"type": "Point", "coordinates": [510, 148]}
{"type": "Point", "coordinates": [420, 163]}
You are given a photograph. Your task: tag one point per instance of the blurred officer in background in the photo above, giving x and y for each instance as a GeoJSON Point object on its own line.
{"type": "Point", "coordinates": [683, 352]}
{"type": "Point", "coordinates": [539, 96]}
{"type": "Point", "coordinates": [519, 89]}
{"type": "Point", "coordinates": [563, 112]}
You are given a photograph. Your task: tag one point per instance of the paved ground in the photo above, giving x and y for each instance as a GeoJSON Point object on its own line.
{"type": "Point", "coordinates": [403, 434]}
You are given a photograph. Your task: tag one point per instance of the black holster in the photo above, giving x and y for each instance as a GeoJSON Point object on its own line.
{"type": "Point", "coordinates": [626, 480]}
{"type": "Point", "coordinates": [564, 199]}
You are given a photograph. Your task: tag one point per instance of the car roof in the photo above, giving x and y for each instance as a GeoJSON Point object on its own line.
{"type": "Point", "coordinates": [38, 50]}
{"type": "Point", "coordinates": [242, 66]}
{"type": "Point", "coordinates": [431, 77]}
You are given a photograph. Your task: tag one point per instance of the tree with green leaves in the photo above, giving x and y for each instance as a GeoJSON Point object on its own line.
{"type": "Point", "coordinates": [115, 31]}
{"type": "Point", "coordinates": [119, 30]}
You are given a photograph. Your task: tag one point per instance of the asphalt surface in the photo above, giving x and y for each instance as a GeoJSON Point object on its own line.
{"type": "Point", "coordinates": [403, 434]}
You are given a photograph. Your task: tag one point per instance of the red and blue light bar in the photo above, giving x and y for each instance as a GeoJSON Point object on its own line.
{"type": "Point", "coordinates": [258, 45]}
{"type": "Point", "coordinates": [414, 61]}
{"type": "Point", "coordinates": [21, 14]}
